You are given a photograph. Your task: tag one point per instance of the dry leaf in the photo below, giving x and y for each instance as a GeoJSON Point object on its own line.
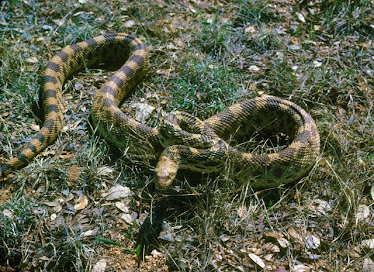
{"type": "Point", "coordinates": [363, 212]}
{"type": "Point", "coordinates": [293, 233]}
{"type": "Point", "coordinates": [179, 43]}
{"type": "Point", "coordinates": [300, 17]}
{"type": "Point", "coordinates": [192, 9]}
{"type": "Point", "coordinates": [284, 243]}
{"type": "Point", "coordinates": [156, 253]}
{"type": "Point", "coordinates": [160, 3]}
{"type": "Point", "coordinates": [81, 203]}
{"type": "Point", "coordinates": [127, 218]}
{"type": "Point", "coordinates": [224, 238]}
{"type": "Point", "coordinates": [143, 110]}
{"type": "Point", "coordinates": [118, 191]}
{"type": "Point", "coordinates": [369, 243]}
{"type": "Point", "coordinates": [8, 213]}
{"type": "Point", "coordinates": [69, 197]}
{"type": "Point", "coordinates": [254, 68]}
{"type": "Point", "coordinates": [73, 174]}
{"type": "Point", "coordinates": [53, 203]}
{"type": "Point", "coordinates": [257, 260]}
{"type": "Point", "coordinates": [164, 71]}
{"type": "Point", "coordinates": [317, 63]}
{"type": "Point", "coordinates": [368, 265]}
{"type": "Point", "coordinates": [300, 268]}
{"type": "Point", "coordinates": [57, 209]}
{"type": "Point", "coordinates": [268, 257]}
{"type": "Point", "coordinates": [67, 156]}
{"type": "Point", "coordinates": [90, 232]}
{"type": "Point", "coordinates": [354, 251]}
{"type": "Point", "coordinates": [250, 29]}
{"type": "Point", "coordinates": [271, 247]}
{"type": "Point", "coordinates": [312, 242]}
{"type": "Point", "coordinates": [104, 171]}
{"type": "Point", "coordinates": [242, 211]}
{"type": "Point", "coordinates": [122, 206]}
{"type": "Point", "coordinates": [129, 23]}
{"type": "Point", "coordinates": [32, 60]}
{"type": "Point", "coordinates": [320, 207]}
{"type": "Point", "coordinates": [100, 266]}
{"type": "Point", "coordinates": [35, 127]}
{"type": "Point", "coordinates": [44, 258]}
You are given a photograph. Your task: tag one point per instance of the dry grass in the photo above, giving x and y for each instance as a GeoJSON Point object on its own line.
{"type": "Point", "coordinates": [205, 56]}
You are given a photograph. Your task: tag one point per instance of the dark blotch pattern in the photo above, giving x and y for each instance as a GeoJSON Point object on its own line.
{"type": "Point", "coordinates": [49, 79]}
{"type": "Point", "coordinates": [54, 67]}
{"type": "Point", "coordinates": [127, 71]}
{"type": "Point", "coordinates": [50, 123]}
{"type": "Point", "coordinates": [75, 47]}
{"type": "Point", "coordinates": [114, 125]}
{"type": "Point", "coordinates": [91, 42]}
{"type": "Point", "coordinates": [109, 90]}
{"type": "Point", "coordinates": [63, 56]}
{"type": "Point", "coordinates": [40, 137]}
{"type": "Point", "coordinates": [109, 102]}
{"type": "Point", "coordinates": [50, 93]}
{"type": "Point", "coordinates": [5, 168]}
{"type": "Point", "coordinates": [138, 59]}
{"type": "Point", "coordinates": [22, 157]}
{"type": "Point", "coordinates": [117, 80]}
{"type": "Point", "coordinates": [33, 148]}
{"type": "Point", "coordinates": [52, 107]}
{"type": "Point", "coordinates": [139, 46]}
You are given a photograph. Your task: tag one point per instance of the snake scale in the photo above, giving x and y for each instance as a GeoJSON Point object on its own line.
{"type": "Point", "coordinates": [199, 146]}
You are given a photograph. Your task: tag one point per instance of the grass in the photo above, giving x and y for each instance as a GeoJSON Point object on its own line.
{"type": "Point", "coordinates": [197, 90]}
{"type": "Point", "coordinates": [204, 57]}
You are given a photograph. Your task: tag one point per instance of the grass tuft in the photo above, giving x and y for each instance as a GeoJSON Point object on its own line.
{"type": "Point", "coordinates": [205, 87]}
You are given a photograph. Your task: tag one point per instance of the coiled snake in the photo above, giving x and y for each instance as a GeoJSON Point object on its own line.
{"type": "Point", "coordinates": [199, 146]}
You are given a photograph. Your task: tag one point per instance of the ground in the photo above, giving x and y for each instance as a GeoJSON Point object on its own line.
{"type": "Point", "coordinates": [83, 205]}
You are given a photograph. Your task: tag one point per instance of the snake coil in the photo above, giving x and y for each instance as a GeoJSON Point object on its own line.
{"type": "Point", "coordinates": [203, 147]}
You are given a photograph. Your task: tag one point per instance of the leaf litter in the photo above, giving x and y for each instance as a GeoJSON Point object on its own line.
{"type": "Point", "coordinates": [273, 236]}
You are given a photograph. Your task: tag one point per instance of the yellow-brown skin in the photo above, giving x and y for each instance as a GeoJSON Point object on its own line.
{"type": "Point", "coordinates": [105, 111]}
{"type": "Point", "coordinates": [265, 170]}
{"type": "Point", "coordinates": [273, 114]}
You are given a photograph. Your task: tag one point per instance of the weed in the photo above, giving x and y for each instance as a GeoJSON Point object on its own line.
{"type": "Point", "coordinates": [206, 87]}
{"type": "Point", "coordinates": [347, 17]}
{"type": "Point", "coordinates": [282, 78]}
{"type": "Point", "coordinates": [209, 53]}
{"type": "Point", "coordinates": [17, 219]}
{"type": "Point", "coordinates": [255, 12]}
{"type": "Point", "coordinates": [214, 38]}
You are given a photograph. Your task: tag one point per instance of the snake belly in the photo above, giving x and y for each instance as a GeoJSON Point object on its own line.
{"type": "Point", "coordinates": [264, 170]}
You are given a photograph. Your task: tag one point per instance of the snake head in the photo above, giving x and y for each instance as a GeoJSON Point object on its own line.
{"type": "Point", "coordinates": [166, 171]}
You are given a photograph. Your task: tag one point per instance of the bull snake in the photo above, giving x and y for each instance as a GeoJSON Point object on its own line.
{"type": "Point", "coordinates": [199, 146]}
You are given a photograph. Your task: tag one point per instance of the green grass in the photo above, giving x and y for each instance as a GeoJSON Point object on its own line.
{"type": "Point", "coordinates": [348, 17]}
{"type": "Point", "coordinates": [17, 219]}
{"type": "Point", "coordinates": [204, 57]}
{"type": "Point", "coordinates": [205, 87]}
{"type": "Point", "coordinates": [215, 35]}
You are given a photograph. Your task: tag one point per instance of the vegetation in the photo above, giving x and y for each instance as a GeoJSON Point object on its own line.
{"type": "Point", "coordinates": [84, 206]}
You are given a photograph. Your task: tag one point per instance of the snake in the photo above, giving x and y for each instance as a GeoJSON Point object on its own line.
{"type": "Point", "coordinates": [181, 140]}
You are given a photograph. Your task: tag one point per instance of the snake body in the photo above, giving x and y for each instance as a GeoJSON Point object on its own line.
{"type": "Point", "coordinates": [202, 148]}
